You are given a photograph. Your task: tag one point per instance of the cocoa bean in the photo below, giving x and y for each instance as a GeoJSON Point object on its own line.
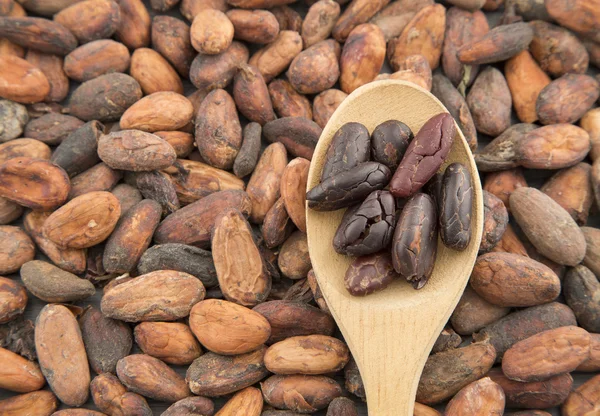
{"type": "Point", "coordinates": [216, 375]}
{"type": "Point", "coordinates": [314, 392]}
{"type": "Point", "coordinates": [38, 34]}
{"type": "Point", "coordinates": [316, 68]}
{"type": "Point", "coordinates": [42, 403]}
{"type": "Point", "coordinates": [227, 328]}
{"type": "Point", "coordinates": [190, 406]}
{"type": "Point", "coordinates": [151, 378]}
{"type": "Point", "coordinates": [16, 249]}
{"type": "Point", "coordinates": [134, 29]}
{"type": "Point", "coordinates": [247, 157]}
{"type": "Point", "coordinates": [153, 72]}
{"type": "Point", "coordinates": [14, 300]}
{"type": "Point", "coordinates": [135, 150]}
{"type": "Point", "coordinates": [473, 313]}
{"type": "Point", "coordinates": [252, 95]}
{"type": "Point", "coordinates": [499, 44]}
{"type": "Point", "coordinates": [209, 72]}
{"type": "Point", "coordinates": [287, 102]}
{"type": "Point", "coordinates": [171, 342]}
{"type": "Point", "coordinates": [61, 354]}
{"type": "Point", "coordinates": [19, 374]}
{"type": "Point", "coordinates": [495, 221]}
{"type": "Point", "coordinates": [481, 397]}
{"type": "Point", "coordinates": [96, 58]}
{"type": "Point", "coordinates": [163, 110]}
{"type": "Point", "coordinates": [365, 40]}
{"type": "Point", "coordinates": [275, 57]}
{"type": "Point", "coordinates": [545, 223]}
{"type": "Point", "coordinates": [255, 26]}
{"type": "Point", "coordinates": [289, 319]}
{"type": "Point", "coordinates": [325, 104]}
{"type": "Point", "coordinates": [356, 13]}
{"type": "Point", "coordinates": [211, 32]}
{"type": "Point", "coordinates": [248, 402]}
{"type": "Point", "coordinates": [319, 22]}
{"type": "Point", "coordinates": [96, 178]}
{"type": "Point", "coordinates": [54, 285]}
{"type": "Point", "coordinates": [79, 150]}
{"type": "Point", "coordinates": [522, 324]}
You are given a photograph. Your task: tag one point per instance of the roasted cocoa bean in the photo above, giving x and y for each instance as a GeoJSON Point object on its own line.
{"type": "Point", "coordinates": [369, 228]}
{"type": "Point", "coordinates": [414, 244]}
{"type": "Point", "coordinates": [369, 274]}
{"type": "Point", "coordinates": [349, 147]}
{"type": "Point", "coordinates": [456, 206]}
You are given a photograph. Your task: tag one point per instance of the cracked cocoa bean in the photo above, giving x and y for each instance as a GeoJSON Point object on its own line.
{"type": "Point", "coordinates": [414, 246]}
{"type": "Point", "coordinates": [348, 187]}
{"type": "Point", "coordinates": [369, 228]}
{"type": "Point", "coordinates": [369, 274]}
{"type": "Point", "coordinates": [424, 155]}
{"type": "Point", "coordinates": [456, 206]}
{"type": "Point", "coordinates": [348, 149]}
{"type": "Point", "coordinates": [389, 143]}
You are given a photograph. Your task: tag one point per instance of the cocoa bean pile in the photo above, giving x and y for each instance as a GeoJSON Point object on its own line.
{"type": "Point", "coordinates": [153, 169]}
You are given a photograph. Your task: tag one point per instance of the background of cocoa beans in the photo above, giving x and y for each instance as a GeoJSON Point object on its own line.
{"type": "Point", "coordinates": [535, 178]}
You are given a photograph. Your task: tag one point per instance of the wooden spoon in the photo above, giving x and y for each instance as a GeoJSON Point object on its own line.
{"type": "Point", "coordinates": [390, 333]}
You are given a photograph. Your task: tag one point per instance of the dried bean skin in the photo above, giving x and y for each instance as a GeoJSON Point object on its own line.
{"type": "Point", "coordinates": [370, 228]}
{"type": "Point", "coordinates": [389, 142]}
{"type": "Point", "coordinates": [424, 156]}
{"type": "Point", "coordinates": [414, 246]}
{"type": "Point", "coordinates": [349, 148]}
{"type": "Point", "coordinates": [456, 205]}
{"type": "Point", "coordinates": [349, 187]}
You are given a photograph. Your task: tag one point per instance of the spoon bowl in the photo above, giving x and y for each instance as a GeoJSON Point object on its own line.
{"type": "Point", "coordinates": [391, 333]}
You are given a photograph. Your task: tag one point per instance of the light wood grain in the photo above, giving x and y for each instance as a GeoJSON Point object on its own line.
{"type": "Point", "coordinates": [390, 333]}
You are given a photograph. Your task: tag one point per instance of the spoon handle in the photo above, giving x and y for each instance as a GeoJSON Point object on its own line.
{"type": "Point", "coordinates": [391, 360]}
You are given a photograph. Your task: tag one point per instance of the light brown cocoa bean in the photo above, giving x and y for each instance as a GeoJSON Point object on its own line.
{"type": "Point", "coordinates": [153, 72]}
{"type": "Point", "coordinates": [131, 237]}
{"type": "Point", "coordinates": [423, 35]}
{"type": "Point", "coordinates": [545, 223]}
{"type": "Point", "coordinates": [276, 225]}
{"type": "Point", "coordinates": [499, 44]}
{"type": "Point", "coordinates": [135, 150]}
{"type": "Point", "coordinates": [161, 295]}
{"type": "Point", "coordinates": [191, 406]}
{"type": "Point", "coordinates": [211, 32]}
{"type": "Point", "coordinates": [110, 396]}
{"type": "Point", "coordinates": [16, 248]}
{"type": "Point", "coordinates": [41, 403]}
{"type": "Point", "coordinates": [134, 28]}
{"type": "Point", "coordinates": [195, 180]}
{"type": "Point", "coordinates": [165, 110]}
{"type": "Point", "coordinates": [151, 378]}
{"type": "Point", "coordinates": [247, 402]}
{"type": "Point", "coordinates": [357, 13]}
{"type": "Point", "coordinates": [495, 221]}
{"type": "Point", "coordinates": [319, 22]}
{"type": "Point", "coordinates": [238, 262]}
{"type": "Point", "coordinates": [13, 299]}
{"type": "Point", "coordinates": [293, 191]}
{"type": "Point", "coordinates": [294, 260]}
{"type": "Point", "coordinates": [172, 342]}
{"type": "Point", "coordinates": [255, 26]}
{"type": "Point", "coordinates": [547, 354]}
{"type": "Point", "coordinates": [61, 354]}
{"type": "Point", "coordinates": [193, 223]}
{"type": "Point", "coordinates": [171, 38]}
{"type": "Point", "coordinates": [365, 40]}
{"type": "Point", "coordinates": [190, 8]}
{"type": "Point", "coordinates": [70, 260]}
{"type": "Point", "coordinates": [38, 34]}
{"type": "Point", "coordinates": [52, 128]}
{"type": "Point", "coordinates": [84, 221]}
{"type": "Point", "coordinates": [511, 280]}
{"type": "Point", "coordinates": [316, 68]}
{"type": "Point", "coordinates": [590, 122]}
{"type": "Point", "coordinates": [9, 211]}
{"type": "Point", "coordinates": [265, 182]}
{"type": "Point", "coordinates": [287, 102]}
{"type": "Point", "coordinates": [552, 147]}
{"type": "Point", "coordinates": [275, 57]}
{"type": "Point", "coordinates": [227, 328]}
{"type": "Point", "coordinates": [34, 183]}
{"type": "Point", "coordinates": [490, 102]}
{"type": "Point", "coordinates": [503, 183]}
{"type": "Point", "coordinates": [251, 95]}
{"type": "Point", "coordinates": [19, 374]}
{"type": "Point", "coordinates": [90, 20]}
{"type": "Point", "coordinates": [578, 15]}
{"type": "Point", "coordinates": [325, 104]}
{"type": "Point", "coordinates": [584, 399]}
{"type": "Point", "coordinates": [572, 189]}
{"type": "Point", "coordinates": [96, 178]}
{"type": "Point", "coordinates": [298, 134]}
{"type": "Point", "coordinates": [525, 80]}
{"type": "Point", "coordinates": [312, 392]}
{"type": "Point", "coordinates": [480, 397]}
{"type": "Point", "coordinates": [52, 67]}
{"type": "Point", "coordinates": [577, 93]}
{"type": "Point", "coordinates": [218, 129]}
{"type": "Point", "coordinates": [311, 355]}
{"type": "Point", "coordinates": [96, 58]}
